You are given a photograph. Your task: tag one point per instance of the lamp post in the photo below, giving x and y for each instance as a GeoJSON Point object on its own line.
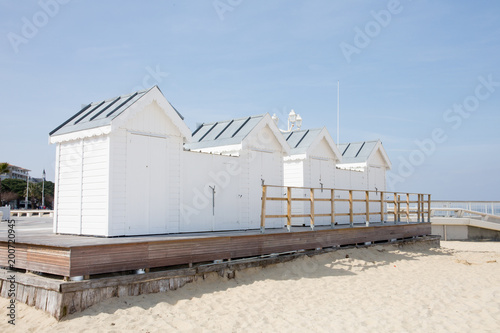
{"type": "Point", "coordinates": [27, 191]}
{"type": "Point", "coordinates": [43, 189]}
{"type": "Point", "coordinates": [294, 120]}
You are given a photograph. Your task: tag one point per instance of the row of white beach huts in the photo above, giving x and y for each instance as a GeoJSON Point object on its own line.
{"type": "Point", "coordinates": [131, 166]}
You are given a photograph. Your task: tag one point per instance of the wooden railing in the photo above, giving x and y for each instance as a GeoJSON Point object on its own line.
{"type": "Point", "coordinates": [401, 202]}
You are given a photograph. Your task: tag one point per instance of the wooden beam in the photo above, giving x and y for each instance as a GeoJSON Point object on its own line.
{"type": "Point", "coordinates": [382, 208]}
{"type": "Point", "coordinates": [312, 208]}
{"type": "Point", "coordinates": [351, 219]}
{"type": "Point", "coordinates": [418, 208]}
{"type": "Point", "coordinates": [399, 208]}
{"type": "Point", "coordinates": [263, 211]}
{"type": "Point", "coordinates": [289, 208]}
{"type": "Point", "coordinates": [275, 199]}
{"type": "Point", "coordinates": [395, 200]}
{"type": "Point", "coordinates": [367, 208]}
{"type": "Point", "coordinates": [407, 207]}
{"type": "Point", "coordinates": [429, 208]}
{"type": "Point", "coordinates": [332, 200]}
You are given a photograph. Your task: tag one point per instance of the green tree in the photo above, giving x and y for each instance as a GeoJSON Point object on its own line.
{"type": "Point", "coordinates": [4, 168]}
{"type": "Point", "coordinates": [17, 186]}
{"type": "Point", "coordinates": [35, 193]}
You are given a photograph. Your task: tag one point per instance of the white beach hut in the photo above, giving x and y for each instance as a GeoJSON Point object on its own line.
{"type": "Point", "coordinates": [118, 165]}
{"type": "Point", "coordinates": [368, 160]}
{"type": "Point", "coordinates": [364, 166]}
{"type": "Point", "coordinates": [311, 163]}
{"type": "Point", "coordinates": [257, 148]}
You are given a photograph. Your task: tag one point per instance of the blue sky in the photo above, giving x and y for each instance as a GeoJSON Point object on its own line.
{"type": "Point", "coordinates": [402, 66]}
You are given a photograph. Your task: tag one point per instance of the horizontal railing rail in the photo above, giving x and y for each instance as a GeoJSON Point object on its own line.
{"type": "Point", "coordinates": [487, 207]}
{"type": "Point", "coordinates": [459, 213]}
{"type": "Point", "coordinates": [401, 202]}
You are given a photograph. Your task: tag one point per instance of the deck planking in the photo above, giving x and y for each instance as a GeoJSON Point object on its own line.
{"type": "Point", "coordinates": [37, 249]}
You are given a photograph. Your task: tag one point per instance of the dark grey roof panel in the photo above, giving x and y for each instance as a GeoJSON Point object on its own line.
{"type": "Point", "coordinates": [223, 133]}
{"type": "Point", "coordinates": [300, 140]}
{"type": "Point", "coordinates": [356, 152]}
{"type": "Point", "coordinates": [98, 114]}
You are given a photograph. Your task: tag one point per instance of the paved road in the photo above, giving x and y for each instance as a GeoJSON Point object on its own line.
{"type": "Point", "coordinates": [34, 225]}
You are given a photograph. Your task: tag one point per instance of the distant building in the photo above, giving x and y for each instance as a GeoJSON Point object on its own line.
{"type": "Point", "coordinates": [15, 172]}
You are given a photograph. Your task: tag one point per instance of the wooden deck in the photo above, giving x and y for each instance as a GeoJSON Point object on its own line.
{"type": "Point", "coordinates": [37, 249]}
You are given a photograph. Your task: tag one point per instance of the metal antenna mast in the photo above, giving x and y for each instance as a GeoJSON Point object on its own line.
{"type": "Point", "coordinates": [338, 112]}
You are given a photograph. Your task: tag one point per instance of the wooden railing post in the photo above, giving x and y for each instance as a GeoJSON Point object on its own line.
{"type": "Point", "coordinates": [382, 208]}
{"type": "Point", "coordinates": [422, 208]}
{"type": "Point", "coordinates": [418, 207]}
{"type": "Point", "coordinates": [289, 209]}
{"type": "Point", "coordinates": [429, 208]}
{"type": "Point", "coordinates": [407, 207]}
{"type": "Point", "coordinates": [395, 199]}
{"type": "Point", "coordinates": [263, 211]}
{"type": "Point", "coordinates": [351, 219]}
{"type": "Point", "coordinates": [312, 208]}
{"type": "Point", "coordinates": [332, 201]}
{"type": "Point", "coordinates": [367, 208]}
{"type": "Point", "coordinates": [399, 208]}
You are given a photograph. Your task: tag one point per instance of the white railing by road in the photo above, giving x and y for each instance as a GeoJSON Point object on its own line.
{"type": "Point", "coordinates": [32, 213]}
{"type": "Point", "coordinates": [459, 213]}
{"type": "Point", "coordinates": [486, 207]}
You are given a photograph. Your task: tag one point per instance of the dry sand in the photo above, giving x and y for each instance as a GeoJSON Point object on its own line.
{"type": "Point", "coordinates": [380, 289]}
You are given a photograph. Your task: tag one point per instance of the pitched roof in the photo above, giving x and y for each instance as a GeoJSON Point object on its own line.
{"type": "Point", "coordinates": [223, 133]}
{"type": "Point", "coordinates": [300, 140]}
{"type": "Point", "coordinates": [360, 152]}
{"type": "Point", "coordinates": [100, 113]}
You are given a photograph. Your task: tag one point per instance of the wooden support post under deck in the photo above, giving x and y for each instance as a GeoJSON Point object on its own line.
{"type": "Point", "coordinates": [263, 212]}
{"type": "Point", "coordinates": [407, 207]}
{"type": "Point", "coordinates": [367, 208]}
{"type": "Point", "coordinates": [382, 208]}
{"type": "Point", "coordinates": [395, 199]}
{"type": "Point", "coordinates": [332, 201]}
{"type": "Point", "coordinates": [351, 219]}
{"type": "Point", "coordinates": [289, 208]}
{"type": "Point", "coordinates": [312, 208]}
{"type": "Point", "coordinates": [429, 208]}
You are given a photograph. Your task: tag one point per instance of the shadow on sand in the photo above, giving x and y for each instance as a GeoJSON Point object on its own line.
{"type": "Point", "coordinates": [342, 262]}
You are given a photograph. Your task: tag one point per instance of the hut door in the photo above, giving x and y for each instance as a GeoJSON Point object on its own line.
{"type": "Point", "coordinates": [322, 176]}
{"type": "Point", "coordinates": [146, 185]}
{"type": "Point", "coordinates": [266, 167]}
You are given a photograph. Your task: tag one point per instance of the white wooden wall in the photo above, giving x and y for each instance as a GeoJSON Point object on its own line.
{"type": "Point", "coordinates": [262, 161]}
{"type": "Point", "coordinates": [294, 175]}
{"type": "Point", "coordinates": [82, 186]}
{"type": "Point", "coordinates": [264, 167]}
{"type": "Point", "coordinates": [310, 172]}
{"type": "Point", "coordinates": [201, 209]}
{"type": "Point", "coordinates": [145, 182]}
{"type": "Point", "coordinates": [322, 171]}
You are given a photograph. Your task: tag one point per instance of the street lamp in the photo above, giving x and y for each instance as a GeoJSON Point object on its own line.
{"type": "Point", "coordinates": [275, 119]}
{"type": "Point", "coordinates": [43, 189]}
{"type": "Point", "coordinates": [294, 120]}
{"type": "Point", "coordinates": [27, 191]}
{"type": "Point", "coordinates": [298, 121]}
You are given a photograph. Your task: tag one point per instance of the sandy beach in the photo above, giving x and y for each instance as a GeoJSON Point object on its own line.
{"type": "Point", "coordinates": [455, 288]}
